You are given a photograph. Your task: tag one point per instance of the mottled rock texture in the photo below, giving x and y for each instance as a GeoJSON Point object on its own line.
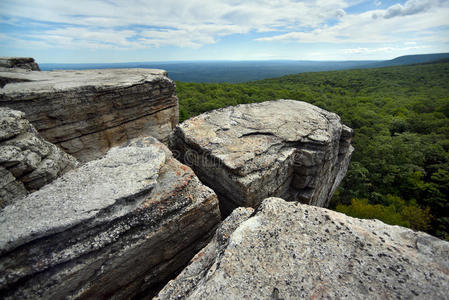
{"type": "Point", "coordinates": [113, 228]}
{"type": "Point", "coordinates": [88, 112]}
{"type": "Point", "coordinates": [27, 161]}
{"type": "Point", "coordinates": [26, 63]}
{"type": "Point", "coordinates": [281, 148]}
{"type": "Point", "coordinates": [289, 250]}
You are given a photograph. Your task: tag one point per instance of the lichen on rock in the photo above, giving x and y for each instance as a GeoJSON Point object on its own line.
{"type": "Point", "coordinates": [114, 227]}
{"type": "Point", "coordinates": [298, 251]}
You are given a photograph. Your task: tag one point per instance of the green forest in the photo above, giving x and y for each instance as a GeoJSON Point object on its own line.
{"type": "Point", "coordinates": [399, 172]}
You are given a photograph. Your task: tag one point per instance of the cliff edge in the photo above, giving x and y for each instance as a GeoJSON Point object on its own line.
{"type": "Point", "coordinates": [87, 112]}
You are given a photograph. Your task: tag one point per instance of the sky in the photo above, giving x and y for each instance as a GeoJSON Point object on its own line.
{"type": "Point", "coordinates": [101, 31]}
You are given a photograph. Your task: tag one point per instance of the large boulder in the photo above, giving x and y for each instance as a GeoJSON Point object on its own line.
{"type": "Point", "coordinates": [287, 250]}
{"type": "Point", "coordinates": [113, 228]}
{"type": "Point", "coordinates": [87, 112]}
{"type": "Point", "coordinates": [27, 161]}
{"type": "Point", "coordinates": [248, 152]}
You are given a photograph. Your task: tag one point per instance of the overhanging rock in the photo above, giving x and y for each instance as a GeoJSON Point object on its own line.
{"type": "Point", "coordinates": [87, 112]}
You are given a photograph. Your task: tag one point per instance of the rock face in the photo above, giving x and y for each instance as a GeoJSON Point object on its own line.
{"type": "Point", "coordinates": [282, 148]}
{"type": "Point", "coordinates": [113, 228]}
{"type": "Point", "coordinates": [289, 250]}
{"type": "Point", "coordinates": [88, 112]}
{"type": "Point", "coordinates": [27, 161]}
{"type": "Point", "coordinates": [26, 63]}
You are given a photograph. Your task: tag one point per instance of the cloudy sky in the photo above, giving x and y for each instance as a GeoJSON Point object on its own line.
{"type": "Point", "coordinates": [165, 30]}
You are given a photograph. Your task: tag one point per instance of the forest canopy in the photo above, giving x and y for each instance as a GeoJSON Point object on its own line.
{"type": "Point", "coordinates": [399, 172]}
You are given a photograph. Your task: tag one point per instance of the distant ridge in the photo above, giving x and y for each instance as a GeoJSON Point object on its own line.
{"type": "Point", "coordinates": [410, 60]}
{"type": "Point", "coordinates": [245, 71]}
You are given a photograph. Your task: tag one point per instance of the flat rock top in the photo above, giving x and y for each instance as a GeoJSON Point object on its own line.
{"type": "Point", "coordinates": [237, 135]}
{"type": "Point", "coordinates": [52, 81]}
{"type": "Point", "coordinates": [83, 194]}
{"type": "Point", "coordinates": [289, 250]}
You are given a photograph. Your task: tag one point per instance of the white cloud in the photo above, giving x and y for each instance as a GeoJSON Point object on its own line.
{"type": "Point", "coordinates": [368, 27]}
{"type": "Point", "coordinates": [381, 49]}
{"type": "Point", "coordinates": [191, 23]}
{"type": "Point", "coordinates": [194, 23]}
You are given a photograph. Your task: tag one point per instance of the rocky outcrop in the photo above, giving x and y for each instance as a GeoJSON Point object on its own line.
{"type": "Point", "coordinates": [288, 250]}
{"type": "Point", "coordinates": [281, 148]}
{"type": "Point", "coordinates": [26, 63]}
{"type": "Point", "coordinates": [27, 161]}
{"type": "Point", "coordinates": [88, 112]}
{"type": "Point", "coordinates": [113, 228]}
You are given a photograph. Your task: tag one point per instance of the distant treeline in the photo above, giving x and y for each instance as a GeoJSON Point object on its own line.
{"type": "Point", "coordinates": [399, 172]}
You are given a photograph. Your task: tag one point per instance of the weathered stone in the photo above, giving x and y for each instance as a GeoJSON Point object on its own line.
{"type": "Point", "coordinates": [197, 270]}
{"type": "Point", "coordinates": [282, 148]}
{"type": "Point", "coordinates": [289, 250]}
{"type": "Point", "coordinates": [27, 161]}
{"type": "Point", "coordinates": [26, 63]}
{"type": "Point", "coordinates": [88, 112]}
{"type": "Point", "coordinates": [113, 228]}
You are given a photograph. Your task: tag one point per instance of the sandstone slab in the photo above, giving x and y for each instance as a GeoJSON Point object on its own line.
{"type": "Point", "coordinates": [281, 148]}
{"type": "Point", "coordinates": [288, 250]}
{"type": "Point", "coordinates": [27, 161]}
{"type": "Point", "coordinates": [113, 228]}
{"type": "Point", "coordinates": [87, 112]}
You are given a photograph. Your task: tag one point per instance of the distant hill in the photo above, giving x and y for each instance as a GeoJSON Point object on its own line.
{"type": "Point", "coordinates": [222, 71]}
{"type": "Point", "coordinates": [245, 71]}
{"type": "Point", "coordinates": [410, 60]}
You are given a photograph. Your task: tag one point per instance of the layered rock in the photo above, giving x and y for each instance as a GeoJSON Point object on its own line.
{"type": "Point", "coordinates": [27, 161]}
{"type": "Point", "coordinates": [288, 250]}
{"type": "Point", "coordinates": [113, 228]}
{"type": "Point", "coordinates": [88, 112]}
{"type": "Point", "coordinates": [26, 63]}
{"type": "Point", "coordinates": [282, 148]}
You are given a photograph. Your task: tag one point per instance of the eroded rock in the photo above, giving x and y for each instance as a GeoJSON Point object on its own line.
{"type": "Point", "coordinates": [289, 250]}
{"type": "Point", "coordinates": [27, 161]}
{"type": "Point", "coordinates": [26, 63]}
{"type": "Point", "coordinates": [115, 227]}
{"type": "Point", "coordinates": [87, 112]}
{"type": "Point", "coordinates": [282, 148]}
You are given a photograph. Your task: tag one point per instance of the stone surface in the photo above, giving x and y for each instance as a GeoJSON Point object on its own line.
{"type": "Point", "coordinates": [87, 112]}
{"type": "Point", "coordinates": [282, 148]}
{"type": "Point", "coordinates": [27, 161]}
{"type": "Point", "coordinates": [193, 275]}
{"type": "Point", "coordinates": [289, 250]}
{"type": "Point", "coordinates": [113, 228]}
{"type": "Point", "coordinates": [26, 63]}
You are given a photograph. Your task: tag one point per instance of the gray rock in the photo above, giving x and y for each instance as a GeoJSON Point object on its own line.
{"type": "Point", "coordinates": [194, 273]}
{"type": "Point", "coordinates": [113, 228]}
{"type": "Point", "coordinates": [27, 161]}
{"type": "Point", "coordinates": [26, 63]}
{"type": "Point", "coordinates": [282, 148]}
{"type": "Point", "coordinates": [87, 112]}
{"type": "Point", "coordinates": [289, 250]}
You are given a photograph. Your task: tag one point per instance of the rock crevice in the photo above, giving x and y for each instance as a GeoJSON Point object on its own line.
{"type": "Point", "coordinates": [27, 161]}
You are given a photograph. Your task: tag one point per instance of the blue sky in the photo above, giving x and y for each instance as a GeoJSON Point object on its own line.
{"type": "Point", "coordinates": [165, 30]}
